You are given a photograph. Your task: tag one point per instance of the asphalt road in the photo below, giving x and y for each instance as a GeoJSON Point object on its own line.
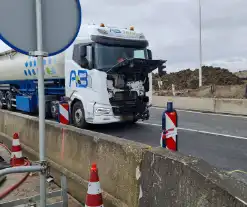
{"type": "Point", "coordinates": [220, 140]}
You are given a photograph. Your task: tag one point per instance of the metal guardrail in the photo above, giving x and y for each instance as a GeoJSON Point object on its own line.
{"type": "Point", "coordinates": [33, 201]}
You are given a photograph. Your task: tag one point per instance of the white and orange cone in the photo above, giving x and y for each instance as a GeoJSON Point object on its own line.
{"type": "Point", "coordinates": [94, 193]}
{"type": "Point", "coordinates": [16, 152]}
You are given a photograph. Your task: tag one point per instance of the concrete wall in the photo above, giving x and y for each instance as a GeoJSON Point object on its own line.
{"type": "Point", "coordinates": [170, 179]}
{"type": "Point", "coordinates": [208, 91]}
{"type": "Point", "coordinates": [131, 174]}
{"type": "Point", "coordinates": [227, 106]}
{"type": "Point", "coordinates": [117, 159]}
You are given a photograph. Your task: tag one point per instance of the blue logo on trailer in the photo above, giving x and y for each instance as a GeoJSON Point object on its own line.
{"type": "Point", "coordinates": [80, 78]}
{"type": "Point", "coordinates": [34, 73]}
{"type": "Point", "coordinates": [31, 65]}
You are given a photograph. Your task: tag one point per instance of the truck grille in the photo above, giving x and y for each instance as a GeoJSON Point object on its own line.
{"type": "Point", "coordinates": [125, 95]}
{"type": "Point", "coordinates": [124, 110]}
{"type": "Point", "coordinates": [124, 103]}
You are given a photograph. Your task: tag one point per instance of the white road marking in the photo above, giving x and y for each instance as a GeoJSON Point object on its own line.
{"type": "Point", "coordinates": [198, 131]}
{"type": "Point", "coordinates": [206, 113]}
{"type": "Point", "coordinates": [241, 201]}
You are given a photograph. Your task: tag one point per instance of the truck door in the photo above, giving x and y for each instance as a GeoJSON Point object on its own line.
{"type": "Point", "coordinates": [78, 80]}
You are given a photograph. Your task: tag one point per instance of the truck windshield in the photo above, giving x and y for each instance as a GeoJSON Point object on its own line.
{"type": "Point", "coordinates": [108, 56]}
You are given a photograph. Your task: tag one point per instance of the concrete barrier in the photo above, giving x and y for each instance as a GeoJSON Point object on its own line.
{"type": "Point", "coordinates": [117, 159]}
{"type": "Point", "coordinates": [171, 179]}
{"type": "Point", "coordinates": [131, 173]}
{"type": "Point", "coordinates": [214, 105]}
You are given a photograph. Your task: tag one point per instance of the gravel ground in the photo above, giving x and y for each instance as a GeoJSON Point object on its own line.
{"type": "Point", "coordinates": [30, 187]}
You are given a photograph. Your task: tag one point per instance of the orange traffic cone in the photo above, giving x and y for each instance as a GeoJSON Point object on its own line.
{"type": "Point", "coordinates": [94, 194]}
{"type": "Point", "coordinates": [16, 153]}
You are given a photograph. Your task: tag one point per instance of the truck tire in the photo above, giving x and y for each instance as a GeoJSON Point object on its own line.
{"type": "Point", "coordinates": [133, 121]}
{"type": "Point", "coordinates": [9, 102]}
{"type": "Point", "coordinates": [54, 110]}
{"type": "Point", "coordinates": [1, 100]}
{"type": "Point", "coordinates": [78, 115]}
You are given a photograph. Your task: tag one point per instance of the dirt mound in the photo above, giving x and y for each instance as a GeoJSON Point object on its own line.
{"type": "Point", "coordinates": [188, 79]}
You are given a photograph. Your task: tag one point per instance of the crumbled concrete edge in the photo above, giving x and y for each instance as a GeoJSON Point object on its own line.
{"type": "Point", "coordinates": [228, 183]}
{"type": "Point", "coordinates": [66, 172]}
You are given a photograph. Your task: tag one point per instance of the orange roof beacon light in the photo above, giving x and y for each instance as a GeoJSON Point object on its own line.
{"type": "Point", "coordinates": [102, 25]}
{"type": "Point", "coordinates": [132, 28]}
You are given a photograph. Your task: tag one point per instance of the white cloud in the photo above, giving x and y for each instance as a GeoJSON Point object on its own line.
{"type": "Point", "coordinates": [172, 28]}
{"type": "Point", "coordinates": [233, 64]}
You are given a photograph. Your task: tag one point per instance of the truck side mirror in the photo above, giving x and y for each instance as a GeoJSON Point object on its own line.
{"type": "Point", "coordinates": [82, 51]}
{"type": "Point", "coordinates": [90, 56]}
{"type": "Point", "coordinates": [150, 56]}
{"type": "Point", "coordinates": [161, 68]}
{"type": "Point", "coordinates": [83, 54]}
{"type": "Point", "coordinates": [84, 63]}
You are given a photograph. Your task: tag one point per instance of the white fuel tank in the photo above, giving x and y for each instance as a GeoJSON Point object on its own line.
{"type": "Point", "coordinates": [16, 66]}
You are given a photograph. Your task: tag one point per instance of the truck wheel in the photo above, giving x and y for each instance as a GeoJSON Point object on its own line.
{"type": "Point", "coordinates": [78, 115]}
{"type": "Point", "coordinates": [1, 100]}
{"type": "Point", "coordinates": [134, 120]}
{"type": "Point", "coordinates": [9, 102]}
{"type": "Point", "coordinates": [54, 108]}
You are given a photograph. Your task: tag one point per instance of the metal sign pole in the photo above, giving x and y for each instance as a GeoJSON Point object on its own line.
{"type": "Point", "coordinates": [51, 38]}
{"type": "Point", "coordinates": [41, 101]}
{"type": "Point", "coordinates": [200, 43]}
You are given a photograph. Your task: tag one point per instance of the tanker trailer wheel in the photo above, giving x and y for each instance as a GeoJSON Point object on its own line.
{"type": "Point", "coordinates": [1, 100]}
{"type": "Point", "coordinates": [9, 102]}
{"type": "Point", "coordinates": [54, 110]}
{"type": "Point", "coordinates": [78, 115]}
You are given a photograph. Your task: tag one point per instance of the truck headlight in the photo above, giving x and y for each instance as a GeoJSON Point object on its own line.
{"type": "Point", "coordinates": [102, 111]}
{"type": "Point", "coordinates": [141, 92]}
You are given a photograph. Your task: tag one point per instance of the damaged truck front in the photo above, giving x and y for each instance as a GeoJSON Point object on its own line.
{"type": "Point", "coordinates": [117, 76]}
{"type": "Point", "coordinates": [128, 87]}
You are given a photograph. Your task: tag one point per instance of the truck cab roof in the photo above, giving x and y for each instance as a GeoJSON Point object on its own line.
{"type": "Point", "coordinates": [106, 35]}
{"type": "Point", "coordinates": [112, 35]}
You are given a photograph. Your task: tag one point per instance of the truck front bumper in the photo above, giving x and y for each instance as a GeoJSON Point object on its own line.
{"type": "Point", "coordinates": [103, 114]}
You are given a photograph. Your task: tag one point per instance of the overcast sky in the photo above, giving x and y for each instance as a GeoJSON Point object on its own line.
{"type": "Point", "coordinates": [171, 27]}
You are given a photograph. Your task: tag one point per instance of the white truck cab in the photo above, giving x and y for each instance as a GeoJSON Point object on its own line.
{"type": "Point", "coordinates": [108, 75]}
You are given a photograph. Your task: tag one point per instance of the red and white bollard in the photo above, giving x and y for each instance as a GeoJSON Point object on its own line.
{"type": "Point", "coordinates": [169, 136]}
{"type": "Point", "coordinates": [64, 113]}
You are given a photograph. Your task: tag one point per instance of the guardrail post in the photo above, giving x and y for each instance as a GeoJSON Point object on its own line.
{"type": "Point", "coordinates": [169, 136]}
